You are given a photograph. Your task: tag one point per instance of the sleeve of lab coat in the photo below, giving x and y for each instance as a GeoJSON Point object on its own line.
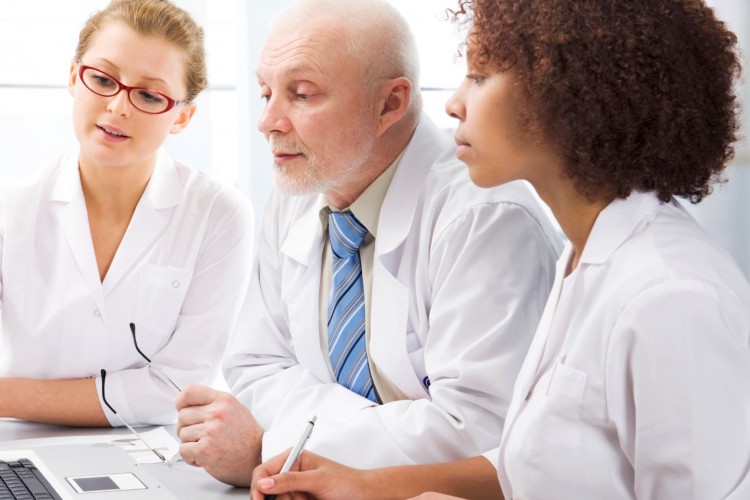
{"type": "Point", "coordinates": [490, 271]}
{"type": "Point", "coordinates": [677, 388]}
{"type": "Point", "coordinates": [207, 316]}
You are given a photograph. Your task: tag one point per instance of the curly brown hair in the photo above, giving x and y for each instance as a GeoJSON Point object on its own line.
{"type": "Point", "coordinates": [633, 94]}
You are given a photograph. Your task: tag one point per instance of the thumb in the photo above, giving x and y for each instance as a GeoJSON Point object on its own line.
{"type": "Point", "coordinates": [289, 482]}
{"type": "Point", "coordinates": [195, 395]}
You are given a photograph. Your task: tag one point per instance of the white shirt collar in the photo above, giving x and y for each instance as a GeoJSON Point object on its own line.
{"type": "Point", "coordinates": [616, 223]}
{"type": "Point", "coordinates": [164, 188]}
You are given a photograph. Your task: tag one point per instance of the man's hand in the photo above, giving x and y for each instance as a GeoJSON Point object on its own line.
{"type": "Point", "coordinates": [219, 434]}
{"type": "Point", "coordinates": [312, 477]}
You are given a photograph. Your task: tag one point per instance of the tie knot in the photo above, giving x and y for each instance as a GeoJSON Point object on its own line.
{"type": "Point", "coordinates": [346, 233]}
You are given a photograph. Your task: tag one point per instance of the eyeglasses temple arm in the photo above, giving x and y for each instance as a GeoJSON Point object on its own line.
{"type": "Point", "coordinates": [132, 330]}
{"type": "Point", "coordinates": [161, 457]}
{"type": "Point", "coordinates": [160, 373]}
{"type": "Point", "coordinates": [104, 398]}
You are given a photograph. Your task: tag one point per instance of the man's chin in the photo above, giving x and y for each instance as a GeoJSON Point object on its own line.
{"type": "Point", "coordinates": [295, 186]}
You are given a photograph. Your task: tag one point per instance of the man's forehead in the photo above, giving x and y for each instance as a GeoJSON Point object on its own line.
{"type": "Point", "coordinates": [299, 69]}
{"type": "Point", "coordinates": [317, 53]}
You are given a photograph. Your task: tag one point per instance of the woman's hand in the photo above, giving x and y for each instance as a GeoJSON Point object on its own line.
{"type": "Point", "coordinates": [312, 477]}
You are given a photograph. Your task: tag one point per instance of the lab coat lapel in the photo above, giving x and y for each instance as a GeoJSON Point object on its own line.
{"type": "Point", "coordinates": [300, 290]}
{"type": "Point", "coordinates": [152, 214]}
{"type": "Point", "coordinates": [390, 297]}
{"type": "Point", "coordinates": [528, 374]}
{"type": "Point", "coordinates": [70, 207]}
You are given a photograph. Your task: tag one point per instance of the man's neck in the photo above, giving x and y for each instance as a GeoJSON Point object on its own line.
{"type": "Point", "coordinates": [389, 147]}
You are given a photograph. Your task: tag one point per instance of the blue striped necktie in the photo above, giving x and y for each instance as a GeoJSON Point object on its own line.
{"type": "Point", "coordinates": [346, 306]}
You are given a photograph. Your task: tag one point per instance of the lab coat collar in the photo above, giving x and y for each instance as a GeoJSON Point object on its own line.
{"type": "Point", "coordinates": [67, 185]}
{"type": "Point", "coordinates": [164, 189]}
{"type": "Point", "coordinates": [304, 241]}
{"type": "Point", "coordinates": [399, 205]}
{"type": "Point", "coordinates": [74, 224]}
{"type": "Point", "coordinates": [151, 216]}
{"type": "Point", "coordinates": [616, 223]}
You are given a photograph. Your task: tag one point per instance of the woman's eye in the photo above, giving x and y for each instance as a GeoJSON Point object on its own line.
{"type": "Point", "coordinates": [103, 81]}
{"type": "Point", "coordinates": [150, 97]}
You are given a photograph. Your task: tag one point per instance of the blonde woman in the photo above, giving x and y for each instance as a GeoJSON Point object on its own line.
{"type": "Point", "coordinates": [120, 253]}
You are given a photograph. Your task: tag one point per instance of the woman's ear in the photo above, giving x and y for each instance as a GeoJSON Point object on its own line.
{"type": "Point", "coordinates": [72, 78]}
{"type": "Point", "coordinates": [186, 114]}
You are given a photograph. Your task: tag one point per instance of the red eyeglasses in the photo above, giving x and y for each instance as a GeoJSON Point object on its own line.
{"type": "Point", "coordinates": [143, 99]}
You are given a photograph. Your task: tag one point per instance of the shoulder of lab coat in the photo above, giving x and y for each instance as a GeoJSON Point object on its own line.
{"type": "Point", "coordinates": [460, 278]}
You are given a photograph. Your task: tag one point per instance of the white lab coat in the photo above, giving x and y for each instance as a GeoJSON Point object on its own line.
{"type": "Point", "coordinates": [460, 277]}
{"type": "Point", "coordinates": [637, 384]}
{"type": "Point", "coordinates": [180, 274]}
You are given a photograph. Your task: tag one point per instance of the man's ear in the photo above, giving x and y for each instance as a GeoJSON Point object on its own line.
{"type": "Point", "coordinates": [72, 78]}
{"type": "Point", "coordinates": [395, 95]}
{"type": "Point", "coordinates": [183, 118]}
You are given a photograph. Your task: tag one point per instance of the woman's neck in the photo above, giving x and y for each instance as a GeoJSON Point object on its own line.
{"type": "Point", "coordinates": [113, 190]}
{"type": "Point", "coordinates": [575, 213]}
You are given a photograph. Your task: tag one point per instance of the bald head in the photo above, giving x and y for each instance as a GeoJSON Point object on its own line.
{"type": "Point", "coordinates": [371, 31]}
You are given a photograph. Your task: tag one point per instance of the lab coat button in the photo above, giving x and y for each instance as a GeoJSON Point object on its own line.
{"type": "Point", "coordinates": [175, 284]}
{"type": "Point", "coordinates": [97, 313]}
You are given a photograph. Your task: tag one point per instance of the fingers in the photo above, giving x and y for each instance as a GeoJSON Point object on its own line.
{"type": "Point", "coordinates": [189, 454]}
{"type": "Point", "coordinates": [197, 404]}
{"type": "Point", "coordinates": [292, 483]}
{"type": "Point", "coordinates": [305, 478]}
{"type": "Point", "coordinates": [222, 437]}
{"type": "Point", "coordinates": [195, 395]}
{"type": "Point", "coordinates": [191, 433]}
{"type": "Point", "coordinates": [190, 417]}
{"type": "Point", "coordinates": [265, 471]}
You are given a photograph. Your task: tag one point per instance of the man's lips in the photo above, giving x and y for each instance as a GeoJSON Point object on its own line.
{"type": "Point", "coordinates": [284, 157]}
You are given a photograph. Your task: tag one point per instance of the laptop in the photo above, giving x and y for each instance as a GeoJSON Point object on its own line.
{"type": "Point", "coordinates": [98, 471]}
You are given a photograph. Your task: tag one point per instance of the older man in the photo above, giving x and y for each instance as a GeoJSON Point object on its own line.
{"type": "Point", "coordinates": [392, 298]}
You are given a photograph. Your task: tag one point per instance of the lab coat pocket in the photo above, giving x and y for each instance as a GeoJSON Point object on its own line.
{"type": "Point", "coordinates": [554, 418]}
{"type": "Point", "coordinates": [161, 291]}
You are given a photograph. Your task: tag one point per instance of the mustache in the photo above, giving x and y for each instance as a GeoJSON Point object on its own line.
{"type": "Point", "coordinates": [286, 146]}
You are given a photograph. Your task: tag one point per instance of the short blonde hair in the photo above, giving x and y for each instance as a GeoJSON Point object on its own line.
{"type": "Point", "coordinates": [159, 18]}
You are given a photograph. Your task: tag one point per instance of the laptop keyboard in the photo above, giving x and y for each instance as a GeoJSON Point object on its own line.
{"type": "Point", "coordinates": [21, 480]}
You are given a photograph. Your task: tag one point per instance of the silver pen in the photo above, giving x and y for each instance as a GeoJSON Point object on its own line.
{"type": "Point", "coordinates": [296, 451]}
